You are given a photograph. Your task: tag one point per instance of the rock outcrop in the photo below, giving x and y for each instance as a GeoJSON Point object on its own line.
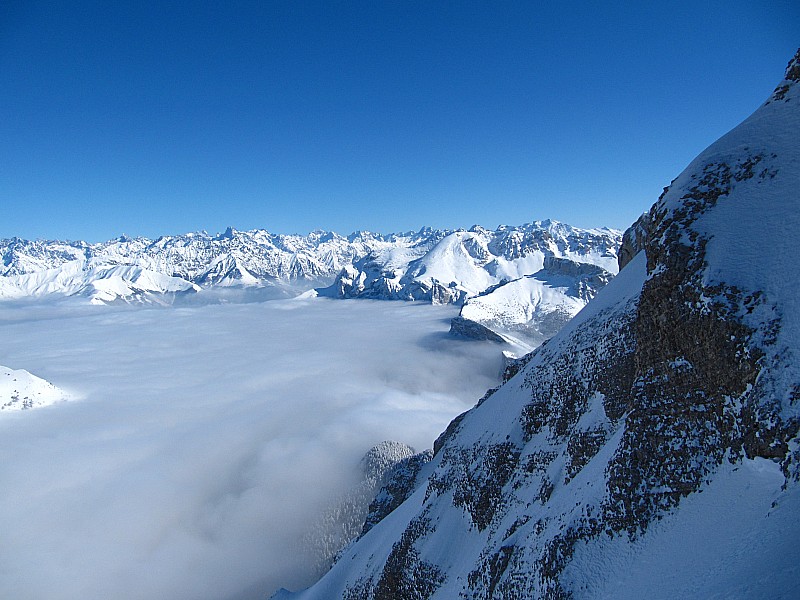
{"type": "Point", "coordinates": [386, 469]}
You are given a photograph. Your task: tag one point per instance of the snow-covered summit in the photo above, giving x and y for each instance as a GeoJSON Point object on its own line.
{"type": "Point", "coordinates": [528, 310]}
{"type": "Point", "coordinates": [185, 263]}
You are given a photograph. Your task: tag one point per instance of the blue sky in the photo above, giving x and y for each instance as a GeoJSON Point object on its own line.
{"type": "Point", "coordinates": [154, 118]}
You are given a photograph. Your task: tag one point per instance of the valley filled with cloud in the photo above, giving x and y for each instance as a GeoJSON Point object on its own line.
{"type": "Point", "coordinates": [202, 440]}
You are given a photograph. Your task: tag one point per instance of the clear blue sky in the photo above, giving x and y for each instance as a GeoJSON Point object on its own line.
{"type": "Point", "coordinates": [155, 118]}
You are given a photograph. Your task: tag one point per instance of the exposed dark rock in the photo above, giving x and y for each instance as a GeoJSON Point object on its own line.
{"type": "Point", "coordinates": [461, 327]}
{"type": "Point", "coordinates": [405, 576]}
{"type": "Point", "coordinates": [398, 483]}
{"type": "Point", "coordinates": [476, 477]}
{"type": "Point", "coordinates": [633, 240]}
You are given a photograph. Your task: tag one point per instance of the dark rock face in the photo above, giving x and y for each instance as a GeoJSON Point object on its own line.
{"type": "Point", "coordinates": [459, 326]}
{"type": "Point", "coordinates": [792, 74]}
{"type": "Point", "coordinates": [633, 240]}
{"type": "Point", "coordinates": [405, 575]}
{"type": "Point", "coordinates": [398, 483]}
{"type": "Point", "coordinates": [793, 68]}
{"type": "Point", "coordinates": [695, 363]}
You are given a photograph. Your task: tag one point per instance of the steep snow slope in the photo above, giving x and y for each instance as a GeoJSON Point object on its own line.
{"type": "Point", "coordinates": [19, 390]}
{"type": "Point", "coordinates": [650, 449]}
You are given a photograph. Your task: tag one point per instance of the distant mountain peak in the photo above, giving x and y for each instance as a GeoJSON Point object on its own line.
{"type": "Point", "coordinates": [227, 234]}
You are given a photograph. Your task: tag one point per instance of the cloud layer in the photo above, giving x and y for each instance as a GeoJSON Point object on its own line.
{"type": "Point", "coordinates": [208, 437]}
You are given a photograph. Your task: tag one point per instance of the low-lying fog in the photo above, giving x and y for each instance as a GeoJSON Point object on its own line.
{"type": "Point", "coordinates": [208, 437]}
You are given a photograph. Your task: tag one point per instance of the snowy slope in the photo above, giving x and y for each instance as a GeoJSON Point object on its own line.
{"type": "Point", "coordinates": [533, 308]}
{"type": "Point", "coordinates": [649, 449]}
{"type": "Point", "coordinates": [19, 390]}
{"type": "Point", "coordinates": [99, 283]}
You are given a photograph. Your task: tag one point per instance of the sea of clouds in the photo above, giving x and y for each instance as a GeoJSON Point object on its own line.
{"type": "Point", "coordinates": [207, 438]}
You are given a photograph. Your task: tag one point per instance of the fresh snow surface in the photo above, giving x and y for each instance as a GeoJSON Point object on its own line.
{"type": "Point", "coordinates": [531, 309]}
{"type": "Point", "coordinates": [209, 439]}
{"type": "Point", "coordinates": [515, 303]}
{"type": "Point", "coordinates": [742, 524]}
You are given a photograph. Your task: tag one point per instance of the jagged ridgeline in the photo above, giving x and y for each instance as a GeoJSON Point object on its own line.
{"type": "Point", "coordinates": [649, 449]}
{"type": "Point", "coordinates": [437, 266]}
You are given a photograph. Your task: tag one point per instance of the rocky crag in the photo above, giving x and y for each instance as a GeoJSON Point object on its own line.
{"type": "Point", "coordinates": [650, 448]}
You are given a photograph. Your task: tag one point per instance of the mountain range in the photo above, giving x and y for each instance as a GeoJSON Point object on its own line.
{"type": "Point", "coordinates": [553, 269]}
{"type": "Point", "coordinates": [651, 448]}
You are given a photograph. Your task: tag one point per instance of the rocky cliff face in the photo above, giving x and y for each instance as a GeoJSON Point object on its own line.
{"type": "Point", "coordinates": [650, 449]}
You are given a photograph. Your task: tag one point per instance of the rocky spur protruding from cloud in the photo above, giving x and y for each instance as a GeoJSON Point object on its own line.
{"type": "Point", "coordinates": [651, 448]}
{"type": "Point", "coordinates": [20, 390]}
{"type": "Point", "coordinates": [344, 519]}
{"type": "Point", "coordinates": [466, 328]}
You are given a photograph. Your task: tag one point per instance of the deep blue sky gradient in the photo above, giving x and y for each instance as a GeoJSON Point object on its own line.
{"type": "Point", "coordinates": [155, 118]}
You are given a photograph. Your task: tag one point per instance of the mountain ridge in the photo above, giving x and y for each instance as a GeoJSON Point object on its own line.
{"type": "Point", "coordinates": [170, 267]}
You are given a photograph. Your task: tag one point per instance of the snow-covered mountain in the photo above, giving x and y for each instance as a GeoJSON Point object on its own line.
{"type": "Point", "coordinates": [528, 310]}
{"type": "Point", "coordinates": [452, 267]}
{"type": "Point", "coordinates": [432, 265]}
{"type": "Point", "coordinates": [19, 390]}
{"type": "Point", "coordinates": [650, 449]}
{"type": "Point", "coordinates": [515, 284]}
{"type": "Point", "coordinates": [140, 269]}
